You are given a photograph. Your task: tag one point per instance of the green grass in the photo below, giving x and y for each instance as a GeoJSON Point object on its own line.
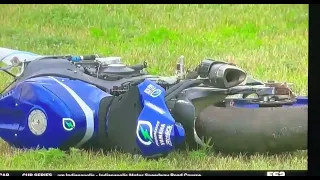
{"type": "Point", "coordinates": [13, 159]}
{"type": "Point", "coordinates": [269, 41]}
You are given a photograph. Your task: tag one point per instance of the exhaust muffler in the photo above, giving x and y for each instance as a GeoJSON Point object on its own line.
{"type": "Point", "coordinates": [221, 74]}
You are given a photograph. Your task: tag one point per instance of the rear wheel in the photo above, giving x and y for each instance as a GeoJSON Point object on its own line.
{"type": "Point", "coordinates": [255, 128]}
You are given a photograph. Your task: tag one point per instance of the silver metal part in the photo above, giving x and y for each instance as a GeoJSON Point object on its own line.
{"type": "Point", "coordinates": [180, 68]}
{"type": "Point", "coordinates": [260, 90]}
{"type": "Point", "coordinates": [117, 65]}
{"type": "Point", "coordinates": [170, 80]}
{"type": "Point", "coordinates": [109, 60]}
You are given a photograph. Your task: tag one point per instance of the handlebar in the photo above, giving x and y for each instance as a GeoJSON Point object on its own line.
{"type": "Point", "coordinates": [80, 58]}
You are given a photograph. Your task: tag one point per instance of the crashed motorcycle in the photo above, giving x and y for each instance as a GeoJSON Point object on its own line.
{"type": "Point", "coordinates": [99, 102]}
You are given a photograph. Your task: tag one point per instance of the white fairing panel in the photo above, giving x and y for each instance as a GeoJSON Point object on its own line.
{"type": "Point", "coordinates": [7, 54]}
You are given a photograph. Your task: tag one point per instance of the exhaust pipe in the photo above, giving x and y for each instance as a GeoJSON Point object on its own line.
{"type": "Point", "coordinates": [221, 74]}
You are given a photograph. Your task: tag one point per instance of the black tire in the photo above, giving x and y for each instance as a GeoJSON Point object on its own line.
{"type": "Point", "coordinates": [262, 130]}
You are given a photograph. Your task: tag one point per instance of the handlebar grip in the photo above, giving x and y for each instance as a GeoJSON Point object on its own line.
{"type": "Point", "coordinates": [85, 57]}
{"type": "Point", "coordinates": [89, 57]}
{"type": "Point", "coordinates": [139, 66]}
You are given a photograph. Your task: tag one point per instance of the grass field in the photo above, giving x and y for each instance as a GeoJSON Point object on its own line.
{"type": "Point", "coordinates": [269, 41]}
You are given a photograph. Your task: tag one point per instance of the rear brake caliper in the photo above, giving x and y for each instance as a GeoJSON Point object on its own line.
{"type": "Point", "coordinates": [283, 95]}
{"type": "Point", "coordinates": [281, 89]}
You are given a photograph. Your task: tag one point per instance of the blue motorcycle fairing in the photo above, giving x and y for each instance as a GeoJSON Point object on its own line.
{"type": "Point", "coordinates": [64, 102]}
{"type": "Point", "coordinates": [157, 132]}
{"type": "Point", "coordinates": [70, 109]}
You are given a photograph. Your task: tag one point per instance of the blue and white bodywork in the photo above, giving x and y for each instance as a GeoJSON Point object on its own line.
{"type": "Point", "coordinates": [50, 112]}
{"type": "Point", "coordinates": [157, 132]}
{"type": "Point", "coordinates": [61, 112]}
{"type": "Point", "coordinates": [54, 112]}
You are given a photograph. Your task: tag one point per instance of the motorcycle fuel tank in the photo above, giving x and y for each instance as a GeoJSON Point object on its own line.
{"type": "Point", "coordinates": [50, 112]}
